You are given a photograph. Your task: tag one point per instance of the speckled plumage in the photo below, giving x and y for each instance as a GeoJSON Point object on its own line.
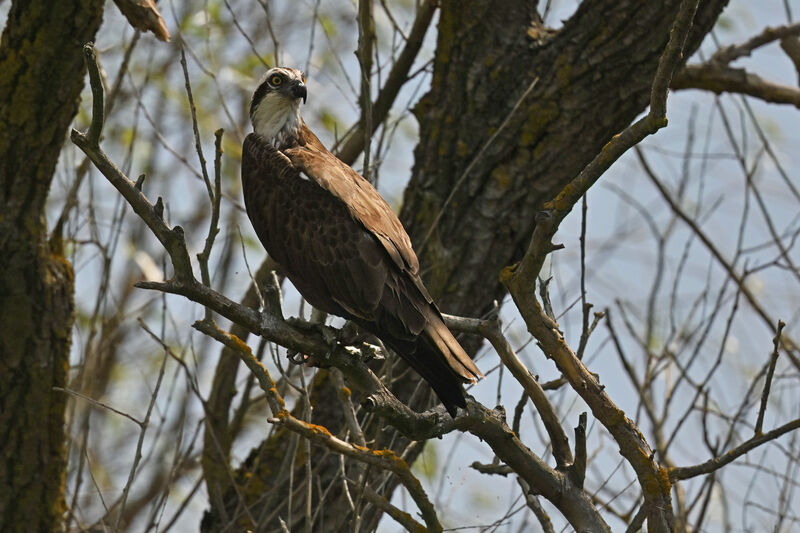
{"type": "Point", "coordinates": [340, 243]}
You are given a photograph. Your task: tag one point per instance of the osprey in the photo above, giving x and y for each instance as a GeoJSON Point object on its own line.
{"type": "Point", "coordinates": [338, 240]}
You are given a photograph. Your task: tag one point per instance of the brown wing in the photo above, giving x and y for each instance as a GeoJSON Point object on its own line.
{"type": "Point", "coordinates": [362, 200]}
{"type": "Point", "coordinates": [406, 298]}
{"type": "Point", "coordinates": [330, 258]}
{"type": "Point", "coordinates": [347, 253]}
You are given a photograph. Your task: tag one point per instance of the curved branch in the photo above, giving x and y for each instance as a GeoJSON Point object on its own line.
{"type": "Point", "coordinates": [723, 79]}
{"type": "Point", "coordinates": [490, 329]}
{"type": "Point", "coordinates": [384, 459]}
{"type": "Point", "coordinates": [686, 472]}
{"type": "Point", "coordinates": [521, 282]}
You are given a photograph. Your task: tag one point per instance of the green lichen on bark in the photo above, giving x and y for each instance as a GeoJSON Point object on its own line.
{"type": "Point", "coordinates": [41, 77]}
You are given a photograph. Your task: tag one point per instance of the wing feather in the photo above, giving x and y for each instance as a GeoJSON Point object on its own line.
{"type": "Point", "coordinates": [361, 199]}
{"type": "Point", "coordinates": [332, 260]}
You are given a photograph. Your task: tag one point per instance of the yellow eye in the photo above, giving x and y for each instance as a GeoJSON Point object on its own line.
{"type": "Point", "coordinates": [276, 80]}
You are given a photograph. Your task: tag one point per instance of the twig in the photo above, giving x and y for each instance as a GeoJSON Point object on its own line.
{"type": "Point", "coordinates": [268, 22]}
{"type": "Point", "coordinates": [144, 424]}
{"type": "Point", "coordinates": [366, 36]}
{"type": "Point", "coordinates": [686, 472]}
{"type": "Point", "coordinates": [518, 409]}
{"type": "Point", "coordinates": [347, 406]}
{"type": "Point", "coordinates": [394, 82]}
{"type": "Point", "coordinates": [247, 38]}
{"type": "Point", "coordinates": [401, 517]}
{"type": "Point", "coordinates": [638, 520]}
{"type": "Point", "coordinates": [776, 341]}
{"type": "Point", "coordinates": [99, 404]}
{"type": "Point", "coordinates": [585, 306]}
{"type": "Point", "coordinates": [533, 504]}
{"type": "Point", "coordinates": [215, 197]}
{"type": "Point", "coordinates": [198, 146]}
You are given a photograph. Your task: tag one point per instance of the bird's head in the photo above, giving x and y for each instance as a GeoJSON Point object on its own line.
{"type": "Point", "coordinates": [275, 108]}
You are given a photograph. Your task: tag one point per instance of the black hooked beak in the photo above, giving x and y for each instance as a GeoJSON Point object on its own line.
{"type": "Point", "coordinates": [299, 91]}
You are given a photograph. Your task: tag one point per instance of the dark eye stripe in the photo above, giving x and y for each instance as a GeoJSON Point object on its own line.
{"type": "Point", "coordinates": [259, 95]}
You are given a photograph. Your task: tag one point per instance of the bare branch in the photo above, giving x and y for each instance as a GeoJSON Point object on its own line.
{"type": "Point", "coordinates": [686, 472]}
{"type": "Point", "coordinates": [366, 38]}
{"type": "Point", "coordinates": [719, 78]}
{"type": "Point", "coordinates": [385, 459]}
{"type": "Point", "coordinates": [171, 238]}
{"type": "Point", "coordinates": [347, 406]}
{"type": "Point", "coordinates": [99, 404]}
{"type": "Point", "coordinates": [773, 359]}
{"type": "Point", "coordinates": [394, 82]}
{"type": "Point", "coordinates": [215, 197]}
{"type": "Point", "coordinates": [490, 329]}
{"type": "Point", "coordinates": [730, 53]}
{"type": "Point", "coordinates": [401, 517]}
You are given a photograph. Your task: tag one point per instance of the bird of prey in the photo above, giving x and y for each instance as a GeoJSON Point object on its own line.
{"type": "Point", "coordinates": [338, 240]}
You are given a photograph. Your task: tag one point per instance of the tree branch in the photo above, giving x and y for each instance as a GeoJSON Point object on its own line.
{"type": "Point", "coordinates": [385, 459]}
{"type": "Point", "coordinates": [773, 359]}
{"type": "Point", "coordinates": [490, 330]}
{"type": "Point", "coordinates": [686, 472]}
{"type": "Point", "coordinates": [719, 78]}
{"type": "Point", "coordinates": [730, 53]}
{"type": "Point", "coordinates": [521, 281]}
{"type": "Point", "coordinates": [394, 82]}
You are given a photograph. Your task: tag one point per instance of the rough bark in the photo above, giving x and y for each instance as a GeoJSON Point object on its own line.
{"type": "Point", "coordinates": [594, 77]}
{"type": "Point", "coordinates": [41, 77]}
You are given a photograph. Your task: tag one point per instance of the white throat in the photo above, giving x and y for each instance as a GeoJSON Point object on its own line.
{"type": "Point", "coordinates": [277, 119]}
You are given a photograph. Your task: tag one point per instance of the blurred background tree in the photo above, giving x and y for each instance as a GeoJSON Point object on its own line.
{"type": "Point", "coordinates": [469, 117]}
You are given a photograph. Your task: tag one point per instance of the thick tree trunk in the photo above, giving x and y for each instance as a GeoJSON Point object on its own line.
{"type": "Point", "coordinates": [41, 77]}
{"type": "Point", "coordinates": [594, 77]}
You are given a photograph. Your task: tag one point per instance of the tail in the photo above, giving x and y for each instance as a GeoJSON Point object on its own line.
{"type": "Point", "coordinates": [429, 363]}
{"type": "Point", "coordinates": [443, 363]}
{"type": "Point", "coordinates": [438, 335]}
{"type": "Point", "coordinates": [411, 325]}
